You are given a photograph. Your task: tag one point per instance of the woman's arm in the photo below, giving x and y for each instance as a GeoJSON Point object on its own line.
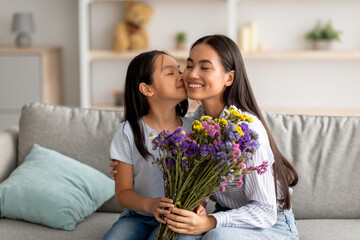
{"type": "Point", "coordinates": [127, 198]}
{"type": "Point", "coordinates": [113, 164]}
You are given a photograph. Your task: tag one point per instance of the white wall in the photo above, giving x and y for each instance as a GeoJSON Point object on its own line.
{"type": "Point", "coordinates": [56, 25]}
{"type": "Point", "coordinates": [282, 23]}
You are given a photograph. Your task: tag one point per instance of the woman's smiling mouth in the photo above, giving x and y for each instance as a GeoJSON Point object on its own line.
{"type": "Point", "coordinates": [195, 85]}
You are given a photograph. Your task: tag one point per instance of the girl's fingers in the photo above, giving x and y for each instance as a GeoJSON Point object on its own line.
{"type": "Point", "coordinates": [159, 219]}
{"type": "Point", "coordinates": [162, 211]}
{"type": "Point", "coordinates": [167, 205]}
{"type": "Point", "coordinates": [168, 200]}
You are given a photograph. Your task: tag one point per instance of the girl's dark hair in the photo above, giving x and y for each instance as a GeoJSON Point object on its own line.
{"type": "Point", "coordinates": [241, 95]}
{"type": "Point", "coordinates": [141, 70]}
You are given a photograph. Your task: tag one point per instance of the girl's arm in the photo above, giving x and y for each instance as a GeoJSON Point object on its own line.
{"type": "Point", "coordinates": [127, 198]}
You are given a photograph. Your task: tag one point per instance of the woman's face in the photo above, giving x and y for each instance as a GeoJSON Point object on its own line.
{"type": "Point", "coordinates": [204, 75]}
{"type": "Point", "coordinates": [167, 79]}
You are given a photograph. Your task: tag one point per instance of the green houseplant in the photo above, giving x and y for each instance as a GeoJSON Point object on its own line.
{"type": "Point", "coordinates": [322, 35]}
{"type": "Point", "coordinates": [180, 40]}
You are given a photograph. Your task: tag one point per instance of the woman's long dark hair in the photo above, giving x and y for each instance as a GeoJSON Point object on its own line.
{"type": "Point", "coordinates": [241, 95]}
{"type": "Point", "coordinates": [141, 70]}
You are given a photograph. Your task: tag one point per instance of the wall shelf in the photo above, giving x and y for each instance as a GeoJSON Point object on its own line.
{"type": "Point", "coordinates": [305, 55]}
{"type": "Point", "coordinates": [112, 55]}
{"type": "Point", "coordinates": [273, 54]}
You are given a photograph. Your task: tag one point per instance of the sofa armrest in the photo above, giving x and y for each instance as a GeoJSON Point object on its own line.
{"type": "Point", "coordinates": [8, 151]}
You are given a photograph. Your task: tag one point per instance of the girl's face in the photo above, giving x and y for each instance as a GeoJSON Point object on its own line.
{"type": "Point", "coordinates": [167, 80]}
{"type": "Point", "coordinates": [204, 75]}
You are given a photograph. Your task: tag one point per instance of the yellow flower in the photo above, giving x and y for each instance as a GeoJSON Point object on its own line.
{"type": "Point", "coordinates": [197, 125]}
{"type": "Point", "coordinates": [239, 130]}
{"type": "Point", "coordinates": [234, 113]}
{"type": "Point", "coordinates": [223, 121]}
{"type": "Point", "coordinates": [205, 118]}
{"type": "Point", "coordinates": [246, 118]}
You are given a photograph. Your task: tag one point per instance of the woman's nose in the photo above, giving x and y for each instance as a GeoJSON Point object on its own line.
{"type": "Point", "coordinates": [193, 74]}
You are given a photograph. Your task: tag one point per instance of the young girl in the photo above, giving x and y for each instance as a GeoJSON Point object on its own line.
{"type": "Point", "coordinates": [155, 99]}
{"type": "Point", "coordinates": [260, 209]}
{"type": "Point", "coordinates": [215, 74]}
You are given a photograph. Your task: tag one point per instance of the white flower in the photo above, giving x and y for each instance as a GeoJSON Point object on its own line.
{"type": "Point", "coordinates": [151, 136]}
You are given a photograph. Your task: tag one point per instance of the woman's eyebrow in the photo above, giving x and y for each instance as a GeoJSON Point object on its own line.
{"type": "Point", "coordinates": [201, 61]}
{"type": "Point", "coordinates": [205, 61]}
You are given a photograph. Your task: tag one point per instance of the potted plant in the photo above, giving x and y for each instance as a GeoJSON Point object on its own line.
{"type": "Point", "coordinates": [322, 35]}
{"type": "Point", "coordinates": [180, 40]}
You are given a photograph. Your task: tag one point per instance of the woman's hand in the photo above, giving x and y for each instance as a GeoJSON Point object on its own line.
{"type": "Point", "coordinates": [157, 206]}
{"type": "Point", "coordinates": [113, 165]}
{"type": "Point", "coordinates": [200, 209]}
{"type": "Point", "coordinates": [188, 222]}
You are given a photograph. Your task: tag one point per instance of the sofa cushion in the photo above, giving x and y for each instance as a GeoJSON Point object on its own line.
{"type": "Point", "coordinates": [93, 228]}
{"type": "Point", "coordinates": [329, 229]}
{"type": "Point", "coordinates": [82, 134]}
{"type": "Point", "coordinates": [54, 190]}
{"type": "Point", "coordinates": [325, 151]}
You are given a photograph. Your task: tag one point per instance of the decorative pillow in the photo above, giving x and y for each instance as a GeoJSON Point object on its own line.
{"type": "Point", "coordinates": [53, 190]}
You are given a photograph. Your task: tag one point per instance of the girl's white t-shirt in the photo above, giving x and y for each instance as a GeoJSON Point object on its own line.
{"type": "Point", "coordinates": [148, 180]}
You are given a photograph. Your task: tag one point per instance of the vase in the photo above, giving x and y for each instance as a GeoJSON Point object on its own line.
{"type": "Point", "coordinates": [322, 44]}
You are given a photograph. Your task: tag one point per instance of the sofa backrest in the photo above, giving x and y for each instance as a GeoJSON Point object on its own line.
{"type": "Point", "coordinates": [325, 151]}
{"type": "Point", "coordinates": [82, 134]}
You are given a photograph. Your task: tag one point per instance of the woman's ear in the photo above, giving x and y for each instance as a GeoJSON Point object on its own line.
{"type": "Point", "coordinates": [230, 79]}
{"type": "Point", "coordinates": [146, 90]}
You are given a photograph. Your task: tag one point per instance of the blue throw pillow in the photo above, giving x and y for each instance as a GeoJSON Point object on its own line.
{"type": "Point", "coordinates": [53, 190]}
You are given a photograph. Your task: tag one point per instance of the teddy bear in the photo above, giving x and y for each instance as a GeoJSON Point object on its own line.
{"type": "Point", "coordinates": [130, 34]}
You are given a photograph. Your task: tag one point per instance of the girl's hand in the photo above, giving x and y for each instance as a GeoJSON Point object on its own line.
{"type": "Point", "coordinates": [157, 206]}
{"type": "Point", "coordinates": [188, 222]}
{"type": "Point", "coordinates": [113, 165]}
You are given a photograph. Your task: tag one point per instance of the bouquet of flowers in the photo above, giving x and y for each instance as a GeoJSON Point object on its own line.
{"type": "Point", "coordinates": [206, 160]}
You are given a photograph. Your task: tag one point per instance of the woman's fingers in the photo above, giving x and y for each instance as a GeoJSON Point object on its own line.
{"type": "Point", "coordinates": [175, 222]}
{"type": "Point", "coordinates": [181, 212]}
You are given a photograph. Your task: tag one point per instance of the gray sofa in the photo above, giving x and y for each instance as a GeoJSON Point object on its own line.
{"type": "Point", "coordinates": [324, 149]}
